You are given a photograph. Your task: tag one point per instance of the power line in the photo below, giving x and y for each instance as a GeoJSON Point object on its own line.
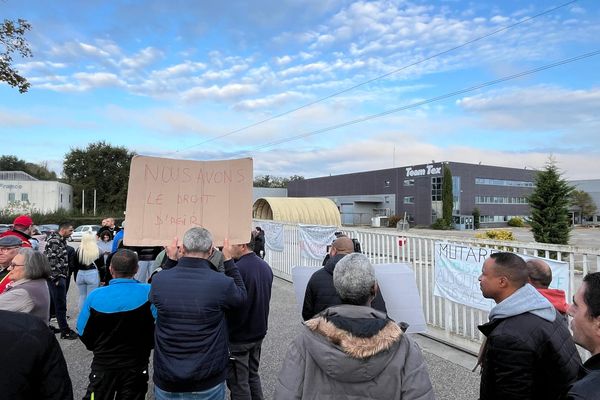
{"type": "Point", "coordinates": [507, 27]}
{"type": "Point", "coordinates": [431, 100]}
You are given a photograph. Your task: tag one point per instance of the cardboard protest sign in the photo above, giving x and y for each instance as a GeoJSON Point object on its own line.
{"type": "Point", "coordinates": [166, 197]}
{"type": "Point", "coordinates": [398, 289]}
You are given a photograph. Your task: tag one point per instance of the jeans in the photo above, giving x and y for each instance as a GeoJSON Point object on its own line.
{"type": "Point", "coordinates": [58, 292]}
{"type": "Point", "coordinates": [214, 393]}
{"type": "Point", "coordinates": [87, 280]}
{"type": "Point", "coordinates": [125, 383]}
{"type": "Point", "coordinates": [143, 271]}
{"type": "Point", "coordinates": [243, 380]}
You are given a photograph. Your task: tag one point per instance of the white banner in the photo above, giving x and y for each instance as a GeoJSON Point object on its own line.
{"type": "Point", "coordinates": [398, 289]}
{"type": "Point", "coordinates": [457, 270]}
{"type": "Point", "coordinates": [274, 239]}
{"type": "Point", "coordinates": [314, 240]}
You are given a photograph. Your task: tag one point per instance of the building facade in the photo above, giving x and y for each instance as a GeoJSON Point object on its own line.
{"type": "Point", "coordinates": [591, 186]}
{"type": "Point", "coordinates": [415, 193]}
{"type": "Point", "coordinates": [20, 188]}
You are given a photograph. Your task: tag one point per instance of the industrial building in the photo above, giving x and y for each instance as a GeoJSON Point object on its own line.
{"type": "Point", "coordinates": [17, 187]}
{"type": "Point", "coordinates": [415, 192]}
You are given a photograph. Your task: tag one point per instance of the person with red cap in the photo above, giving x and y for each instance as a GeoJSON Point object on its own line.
{"type": "Point", "coordinates": [22, 228]}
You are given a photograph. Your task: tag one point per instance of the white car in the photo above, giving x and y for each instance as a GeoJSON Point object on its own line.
{"type": "Point", "coordinates": [81, 229]}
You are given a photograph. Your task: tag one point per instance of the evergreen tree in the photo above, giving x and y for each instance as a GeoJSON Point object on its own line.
{"type": "Point", "coordinates": [549, 205]}
{"type": "Point", "coordinates": [447, 196]}
{"type": "Point", "coordinates": [476, 216]}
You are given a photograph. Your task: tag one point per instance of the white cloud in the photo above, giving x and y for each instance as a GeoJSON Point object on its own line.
{"type": "Point", "coordinates": [268, 102]}
{"type": "Point", "coordinates": [142, 59]}
{"type": "Point", "coordinates": [231, 91]}
{"type": "Point", "coordinates": [10, 118]}
{"type": "Point", "coordinates": [534, 108]}
{"type": "Point", "coordinates": [97, 80]}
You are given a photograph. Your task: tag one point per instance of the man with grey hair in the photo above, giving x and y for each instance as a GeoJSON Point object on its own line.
{"type": "Point", "coordinates": [191, 345]}
{"type": "Point", "coordinates": [353, 350]}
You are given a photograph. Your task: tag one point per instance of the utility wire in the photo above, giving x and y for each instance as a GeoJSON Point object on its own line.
{"type": "Point", "coordinates": [431, 100]}
{"type": "Point", "coordinates": [507, 27]}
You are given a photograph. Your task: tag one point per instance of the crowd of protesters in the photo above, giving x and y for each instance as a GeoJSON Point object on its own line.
{"type": "Point", "coordinates": [204, 311]}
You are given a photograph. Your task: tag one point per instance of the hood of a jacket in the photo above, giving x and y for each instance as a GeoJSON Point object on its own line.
{"type": "Point", "coordinates": [352, 343]}
{"type": "Point", "coordinates": [525, 299]}
{"type": "Point", "coordinates": [330, 266]}
{"type": "Point", "coordinates": [557, 298]}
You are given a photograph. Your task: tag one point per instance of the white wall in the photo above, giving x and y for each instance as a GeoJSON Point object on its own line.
{"type": "Point", "coordinates": [44, 196]}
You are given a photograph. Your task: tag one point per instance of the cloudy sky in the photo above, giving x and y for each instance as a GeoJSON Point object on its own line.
{"type": "Point", "coordinates": [293, 83]}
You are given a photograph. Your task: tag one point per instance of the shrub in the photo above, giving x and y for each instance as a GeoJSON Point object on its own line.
{"type": "Point", "coordinates": [516, 222]}
{"type": "Point", "coordinates": [496, 234]}
{"type": "Point", "coordinates": [441, 224]}
{"type": "Point", "coordinates": [393, 220]}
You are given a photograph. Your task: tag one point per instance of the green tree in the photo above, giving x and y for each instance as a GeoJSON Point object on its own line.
{"type": "Point", "coordinates": [584, 202]}
{"type": "Point", "coordinates": [549, 203]}
{"type": "Point", "coordinates": [39, 171]}
{"type": "Point", "coordinates": [102, 167]}
{"type": "Point", "coordinates": [12, 41]}
{"type": "Point", "coordinates": [447, 196]}
{"type": "Point", "coordinates": [269, 181]}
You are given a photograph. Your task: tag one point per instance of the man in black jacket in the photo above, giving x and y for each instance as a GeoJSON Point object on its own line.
{"type": "Point", "coordinates": [117, 324]}
{"type": "Point", "coordinates": [528, 353]}
{"type": "Point", "coordinates": [32, 366]}
{"type": "Point", "coordinates": [585, 324]}
{"type": "Point", "coordinates": [191, 351]}
{"type": "Point", "coordinates": [320, 292]}
{"type": "Point", "coordinates": [248, 324]}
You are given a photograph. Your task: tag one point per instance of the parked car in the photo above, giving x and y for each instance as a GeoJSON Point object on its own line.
{"type": "Point", "coordinates": [81, 229]}
{"type": "Point", "coordinates": [47, 229]}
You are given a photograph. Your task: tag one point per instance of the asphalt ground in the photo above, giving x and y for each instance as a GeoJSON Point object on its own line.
{"type": "Point", "coordinates": [451, 380]}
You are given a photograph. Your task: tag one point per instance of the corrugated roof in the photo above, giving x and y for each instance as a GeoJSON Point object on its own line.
{"type": "Point", "coordinates": [304, 210]}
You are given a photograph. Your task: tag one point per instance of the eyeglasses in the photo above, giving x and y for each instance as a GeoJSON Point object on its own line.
{"type": "Point", "coordinates": [7, 249]}
{"type": "Point", "coordinates": [13, 265]}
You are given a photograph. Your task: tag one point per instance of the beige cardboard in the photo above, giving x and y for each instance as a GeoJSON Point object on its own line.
{"type": "Point", "coordinates": [166, 197]}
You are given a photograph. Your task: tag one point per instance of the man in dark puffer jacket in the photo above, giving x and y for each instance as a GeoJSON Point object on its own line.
{"type": "Point", "coordinates": [528, 353]}
{"type": "Point", "coordinates": [320, 292]}
{"type": "Point", "coordinates": [191, 345]}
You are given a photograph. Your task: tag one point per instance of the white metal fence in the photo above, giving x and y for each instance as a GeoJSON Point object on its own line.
{"type": "Point", "coordinates": [448, 321]}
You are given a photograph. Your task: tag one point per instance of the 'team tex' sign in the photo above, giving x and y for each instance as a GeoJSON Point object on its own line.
{"type": "Point", "coordinates": [167, 197]}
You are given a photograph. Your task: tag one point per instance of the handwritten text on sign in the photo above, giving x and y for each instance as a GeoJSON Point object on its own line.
{"type": "Point", "coordinates": [457, 270]}
{"type": "Point", "coordinates": [167, 197]}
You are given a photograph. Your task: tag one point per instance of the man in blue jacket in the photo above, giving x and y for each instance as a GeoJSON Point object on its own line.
{"type": "Point", "coordinates": [117, 323]}
{"type": "Point", "coordinates": [191, 354]}
{"type": "Point", "coordinates": [248, 324]}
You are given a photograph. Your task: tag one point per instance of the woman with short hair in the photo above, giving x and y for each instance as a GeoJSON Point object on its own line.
{"type": "Point", "coordinates": [28, 290]}
{"type": "Point", "coordinates": [88, 263]}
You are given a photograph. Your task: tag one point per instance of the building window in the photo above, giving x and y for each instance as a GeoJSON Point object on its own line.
{"type": "Point", "coordinates": [409, 182]}
{"type": "Point", "coordinates": [436, 188]}
{"type": "Point", "coordinates": [12, 197]}
{"type": "Point", "coordinates": [500, 200]}
{"type": "Point", "coordinates": [502, 182]}
{"type": "Point", "coordinates": [409, 199]}
{"type": "Point", "coordinates": [386, 183]}
{"type": "Point", "coordinates": [25, 197]}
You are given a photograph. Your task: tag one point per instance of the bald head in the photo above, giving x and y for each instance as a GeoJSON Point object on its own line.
{"type": "Point", "coordinates": [540, 274]}
{"type": "Point", "coordinates": [343, 245]}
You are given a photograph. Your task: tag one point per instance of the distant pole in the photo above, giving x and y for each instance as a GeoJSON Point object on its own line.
{"type": "Point", "coordinates": [394, 158]}
{"type": "Point", "coordinates": [94, 202]}
{"type": "Point", "coordinates": [82, 201]}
